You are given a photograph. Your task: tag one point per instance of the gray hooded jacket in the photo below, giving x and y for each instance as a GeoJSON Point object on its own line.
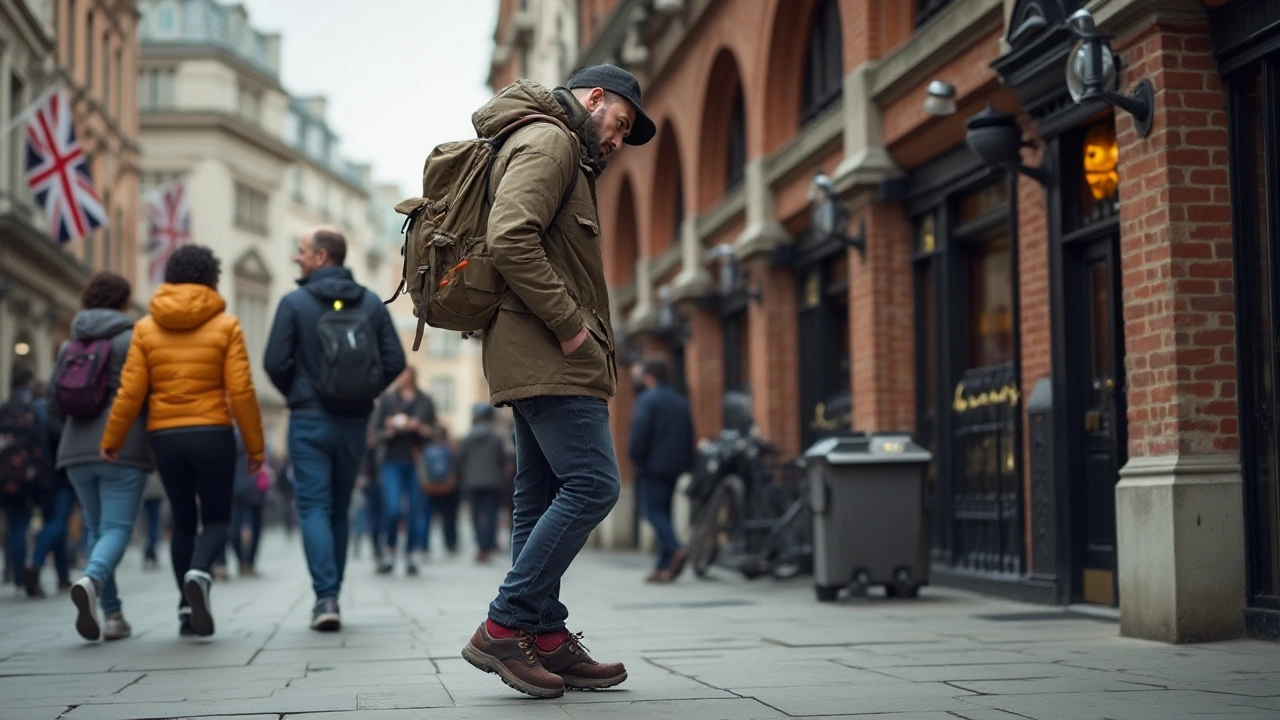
{"type": "Point", "coordinates": [81, 438]}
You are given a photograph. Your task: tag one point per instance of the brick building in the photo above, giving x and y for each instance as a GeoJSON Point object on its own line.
{"type": "Point", "coordinates": [1085, 344]}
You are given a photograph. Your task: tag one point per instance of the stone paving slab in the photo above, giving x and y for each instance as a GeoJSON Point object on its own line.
{"type": "Point", "coordinates": [724, 648]}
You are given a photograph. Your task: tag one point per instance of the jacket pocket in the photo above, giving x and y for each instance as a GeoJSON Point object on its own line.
{"type": "Point", "coordinates": [589, 225]}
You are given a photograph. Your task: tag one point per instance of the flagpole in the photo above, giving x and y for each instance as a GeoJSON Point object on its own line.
{"type": "Point", "coordinates": [22, 117]}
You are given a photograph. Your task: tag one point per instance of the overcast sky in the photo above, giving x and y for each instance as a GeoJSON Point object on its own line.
{"type": "Point", "coordinates": [402, 76]}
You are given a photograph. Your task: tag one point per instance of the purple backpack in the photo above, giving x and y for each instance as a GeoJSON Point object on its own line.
{"type": "Point", "coordinates": [82, 378]}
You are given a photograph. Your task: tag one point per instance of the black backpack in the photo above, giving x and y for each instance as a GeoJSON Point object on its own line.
{"type": "Point", "coordinates": [22, 449]}
{"type": "Point", "coordinates": [350, 360]}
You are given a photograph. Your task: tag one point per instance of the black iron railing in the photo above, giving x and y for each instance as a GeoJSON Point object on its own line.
{"type": "Point", "coordinates": [986, 491]}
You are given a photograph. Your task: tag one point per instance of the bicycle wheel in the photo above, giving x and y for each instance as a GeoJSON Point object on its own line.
{"type": "Point", "coordinates": [716, 530]}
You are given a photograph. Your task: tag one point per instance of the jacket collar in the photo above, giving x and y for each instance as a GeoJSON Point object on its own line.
{"type": "Point", "coordinates": [581, 123]}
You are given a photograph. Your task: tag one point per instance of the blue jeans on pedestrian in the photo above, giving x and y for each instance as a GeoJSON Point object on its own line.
{"type": "Point", "coordinates": [567, 481]}
{"type": "Point", "coordinates": [325, 451]}
{"type": "Point", "coordinates": [110, 495]}
{"type": "Point", "coordinates": [18, 520]}
{"type": "Point", "coordinates": [244, 516]}
{"type": "Point", "coordinates": [53, 535]}
{"type": "Point", "coordinates": [484, 518]}
{"type": "Point", "coordinates": [655, 498]}
{"type": "Point", "coordinates": [400, 479]}
{"type": "Point", "coordinates": [152, 508]}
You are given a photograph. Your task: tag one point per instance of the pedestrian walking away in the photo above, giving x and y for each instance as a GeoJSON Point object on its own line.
{"type": "Point", "coordinates": [548, 353]}
{"type": "Point", "coordinates": [56, 502]}
{"type": "Point", "coordinates": [188, 363]}
{"type": "Point", "coordinates": [26, 468]}
{"type": "Point", "coordinates": [152, 504]}
{"type": "Point", "coordinates": [85, 382]}
{"type": "Point", "coordinates": [482, 461]}
{"type": "Point", "coordinates": [333, 349]}
{"type": "Point", "coordinates": [405, 421]}
{"type": "Point", "coordinates": [246, 510]}
{"type": "Point", "coordinates": [661, 448]}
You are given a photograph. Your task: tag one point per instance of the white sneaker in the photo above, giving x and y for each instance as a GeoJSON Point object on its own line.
{"type": "Point", "coordinates": [195, 588]}
{"type": "Point", "coordinates": [85, 596]}
{"type": "Point", "coordinates": [115, 627]}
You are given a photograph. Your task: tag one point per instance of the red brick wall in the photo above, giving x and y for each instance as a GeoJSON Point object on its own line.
{"type": "Point", "coordinates": [1176, 250]}
{"type": "Point", "coordinates": [882, 312]}
{"type": "Point", "coordinates": [704, 368]}
{"type": "Point", "coordinates": [773, 360]}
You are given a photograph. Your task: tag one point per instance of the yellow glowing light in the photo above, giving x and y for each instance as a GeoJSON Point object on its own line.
{"type": "Point", "coordinates": [1101, 158]}
{"type": "Point", "coordinates": [21, 349]}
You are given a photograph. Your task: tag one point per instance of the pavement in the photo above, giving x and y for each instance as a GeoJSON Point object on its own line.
{"type": "Point", "coordinates": [697, 650]}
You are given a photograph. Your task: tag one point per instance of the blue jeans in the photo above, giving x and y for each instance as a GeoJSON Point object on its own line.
{"type": "Point", "coordinates": [18, 520]}
{"type": "Point", "coordinates": [325, 451]}
{"type": "Point", "coordinates": [567, 481]}
{"type": "Point", "coordinates": [110, 495]}
{"type": "Point", "coordinates": [655, 499]}
{"type": "Point", "coordinates": [398, 480]}
{"type": "Point", "coordinates": [242, 516]}
{"type": "Point", "coordinates": [53, 535]}
{"type": "Point", "coordinates": [152, 507]}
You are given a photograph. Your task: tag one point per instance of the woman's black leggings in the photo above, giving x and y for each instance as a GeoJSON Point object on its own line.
{"type": "Point", "coordinates": [197, 463]}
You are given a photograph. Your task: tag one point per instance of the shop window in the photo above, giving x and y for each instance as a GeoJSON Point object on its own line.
{"type": "Point", "coordinates": [737, 158]}
{"type": "Point", "coordinates": [824, 62]}
{"type": "Point", "coordinates": [990, 309]}
{"type": "Point", "coordinates": [1100, 175]}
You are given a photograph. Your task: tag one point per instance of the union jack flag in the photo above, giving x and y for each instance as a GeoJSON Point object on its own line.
{"type": "Point", "coordinates": [170, 214]}
{"type": "Point", "coordinates": [58, 172]}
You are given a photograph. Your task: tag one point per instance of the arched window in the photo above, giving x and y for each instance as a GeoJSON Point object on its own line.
{"type": "Point", "coordinates": [737, 156]}
{"type": "Point", "coordinates": [824, 62]}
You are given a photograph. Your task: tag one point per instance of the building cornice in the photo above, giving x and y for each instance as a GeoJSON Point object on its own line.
{"type": "Point", "coordinates": [945, 36]}
{"type": "Point", "coordinates": [223, 121]}
{"type": "Point", "coordinates": [31, 29]}
{"type": "Point", "coordinates": [177, 51]}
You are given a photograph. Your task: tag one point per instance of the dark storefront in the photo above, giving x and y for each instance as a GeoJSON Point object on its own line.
{"type": "Point", "coordinates": [967, 391]}
{"type": "Point", "coordinates": [1246, 39]}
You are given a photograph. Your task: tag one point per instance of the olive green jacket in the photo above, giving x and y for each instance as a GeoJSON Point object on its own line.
{"type": "Point", "coordinates": [551, 260]}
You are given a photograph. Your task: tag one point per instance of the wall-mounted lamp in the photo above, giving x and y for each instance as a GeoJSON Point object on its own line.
{"type": "Point", "coordinates": [940, 98]}
{"type": "Point", "coordinates": [996, 137]}
{"type": "Point", "coordinates": [1092, 74]}
{"type": "Point", "coordinates": [829, 217]}
{"type": "Point", "coordinates": [732, 279]}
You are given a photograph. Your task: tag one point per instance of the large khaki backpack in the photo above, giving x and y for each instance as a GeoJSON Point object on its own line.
{"type": "Point", "coordinates": [448, 272]}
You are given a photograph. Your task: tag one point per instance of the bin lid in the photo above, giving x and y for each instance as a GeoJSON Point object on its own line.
{"type": "Point", "coordinates": [868, 449]}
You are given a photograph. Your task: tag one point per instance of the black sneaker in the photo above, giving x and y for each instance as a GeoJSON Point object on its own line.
{"type": "Point", "coordinates": [411, 569]}
{"type": "Point", "coordinates": [325, 617]}
{"type": "Point", "coordinates": [195, 588]}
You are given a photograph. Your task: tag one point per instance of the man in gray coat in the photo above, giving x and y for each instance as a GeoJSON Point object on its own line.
{"type": "Point", "coordinates": [482, 463]}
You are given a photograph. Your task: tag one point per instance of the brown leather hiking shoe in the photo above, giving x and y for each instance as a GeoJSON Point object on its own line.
{"type": "Point", "coordinates": [677, 562]}
{"type": "Point", "coordinates": [515, 660]}
{"type": "Point", "coordinates": [571, 662]}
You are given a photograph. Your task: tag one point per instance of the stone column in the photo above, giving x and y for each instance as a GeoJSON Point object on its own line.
{"type": "Point", "coordinates": [8, 320]}
{"type": "Point", "coordinates": [1179, 507]}
{"type": "Point", "coordinates": [763, 232]}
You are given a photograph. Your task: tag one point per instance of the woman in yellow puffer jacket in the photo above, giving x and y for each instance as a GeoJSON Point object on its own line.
{"type": "Point", "coordinates": [188, 362]}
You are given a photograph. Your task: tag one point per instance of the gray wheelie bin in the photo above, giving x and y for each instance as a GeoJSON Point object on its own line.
{"type": "Point", "coordinates": [868, 499]}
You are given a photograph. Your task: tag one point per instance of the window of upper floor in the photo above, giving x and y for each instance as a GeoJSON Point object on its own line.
{"type": "Point", "coordinates": [156, 88]}
{"type": "Point", "coordinates": [824, 62]}
{"type": "Point", "coordinates": [251, 209]}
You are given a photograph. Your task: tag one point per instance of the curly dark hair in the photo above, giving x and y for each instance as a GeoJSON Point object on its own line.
{"type": "Point", "coordinates": [106, 290]}
{"type": "Point", "coordinates": [193, 264]}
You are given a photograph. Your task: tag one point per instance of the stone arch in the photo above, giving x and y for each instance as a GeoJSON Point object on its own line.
{"type": "Point", "coordinates": [624, 249]}
{"type": "Point", "coordinates": [725, 96]}
{"type": "Point", "coordinates": [668, 198]}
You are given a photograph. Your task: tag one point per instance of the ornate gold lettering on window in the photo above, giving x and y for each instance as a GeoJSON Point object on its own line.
{"type": "Point", "coordinates": [963, 403]}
